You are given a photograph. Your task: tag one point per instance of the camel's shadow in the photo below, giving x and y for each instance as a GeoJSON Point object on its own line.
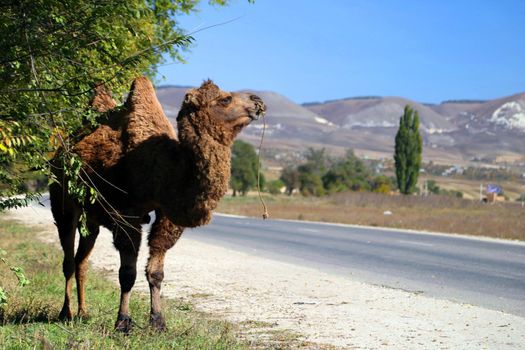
{"type": "Point", "coordinates": [45, 314]}
{"type": "Point", "coordinates": [27, 315]}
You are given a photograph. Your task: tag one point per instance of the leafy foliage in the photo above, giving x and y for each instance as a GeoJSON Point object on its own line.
{"type": "Point", "coordinates": [243, 168]}
{"type": "Point", "coordinates": [348, 173]}
{"type": "Point", "coordinates": [383, 184]}
{"type": "Point", "coordinates": [290, 177]}
{"type": "Point", "coordinates": [311, 183]}
{"type": "Point", "coordinates": [321, 175]}
{"type": "Point", "coordinates": [275, 186]}
{"type": "Point", "coordinates": [54, 52]}
{"type": "Point", "coordinates": [408, 149]}
{"type": "Point", "coordinates": [18, 272]}
{"type": "Point", "coordinates": [310, 173]}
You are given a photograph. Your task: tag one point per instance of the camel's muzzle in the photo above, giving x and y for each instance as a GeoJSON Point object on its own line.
{"type": "Point", "coordinates": [260, 107]}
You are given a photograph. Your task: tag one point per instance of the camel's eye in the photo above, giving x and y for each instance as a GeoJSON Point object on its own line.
{"type": "Point", "coordinates": [225, 100]}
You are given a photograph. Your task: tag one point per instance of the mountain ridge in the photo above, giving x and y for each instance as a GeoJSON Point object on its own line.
{"type": "Point", "coordinates": [453, 131]}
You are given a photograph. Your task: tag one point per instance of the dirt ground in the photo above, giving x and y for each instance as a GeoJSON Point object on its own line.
{"type": "Point", "coordinates": [320, 307]}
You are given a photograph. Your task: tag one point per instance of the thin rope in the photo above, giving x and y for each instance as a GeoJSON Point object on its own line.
{"type": "Point", "coordinates": [265, 214]}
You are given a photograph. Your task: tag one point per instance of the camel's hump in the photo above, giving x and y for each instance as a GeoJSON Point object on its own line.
{"type": "Point", "coordinates": [144, 115]}
{"type": "Point", "coordinates": [142, 92]}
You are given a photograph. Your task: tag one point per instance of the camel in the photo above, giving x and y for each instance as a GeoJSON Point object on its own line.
{"type": "Point", "coordinates": [139, 164]}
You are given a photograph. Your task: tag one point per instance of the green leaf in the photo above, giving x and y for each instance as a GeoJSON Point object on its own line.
{"type": "Point", "coordinates": [56, 52]}
{"type": "Point", "coordinates": [3, 297]}
{"type": "Point", "coordinates": [19, 273]}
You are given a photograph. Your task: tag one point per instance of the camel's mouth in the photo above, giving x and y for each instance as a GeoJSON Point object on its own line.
{"type": "Point", "coordinates": [244, 121]}
{"type": "Point", "coordinates": [255, 115]}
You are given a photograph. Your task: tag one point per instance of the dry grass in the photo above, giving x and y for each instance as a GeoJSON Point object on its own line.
{"type": "Point", "coordinates": [433, 213]}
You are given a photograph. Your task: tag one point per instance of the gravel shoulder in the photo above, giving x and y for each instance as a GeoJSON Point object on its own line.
{"type": "Point", "coordinates": [322, 308]}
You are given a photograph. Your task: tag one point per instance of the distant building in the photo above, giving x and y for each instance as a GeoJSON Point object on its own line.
{"type": "Point", "coordinates": [456, 169]}
{"type": "Point", "coordinates": [494, 193]}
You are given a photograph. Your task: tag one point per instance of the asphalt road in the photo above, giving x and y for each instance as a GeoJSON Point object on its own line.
{"type": "Point", "coordinates": [483, 272]}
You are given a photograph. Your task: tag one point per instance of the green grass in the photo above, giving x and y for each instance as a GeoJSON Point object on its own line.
{"type": "Point", "coordinates": [30, 319]}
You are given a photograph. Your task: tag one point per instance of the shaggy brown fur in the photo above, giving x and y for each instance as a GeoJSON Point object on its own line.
{"type": "Point", "coordinates": [137, 164]}
{"type": "Point", "coordinates": [102, 100]}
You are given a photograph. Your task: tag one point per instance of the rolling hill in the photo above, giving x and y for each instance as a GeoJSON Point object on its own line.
{"type": "Point", "coordinates": [453, 131]}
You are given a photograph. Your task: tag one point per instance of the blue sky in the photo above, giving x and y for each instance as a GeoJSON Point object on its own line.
{"type": "Point", "coordinates": [428, 51]}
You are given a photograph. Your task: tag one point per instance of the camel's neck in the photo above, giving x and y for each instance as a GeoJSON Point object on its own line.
{"type": "Point", "coordinates": [206, 167]}
{"type": "Point", "coordinates": [209, 168]}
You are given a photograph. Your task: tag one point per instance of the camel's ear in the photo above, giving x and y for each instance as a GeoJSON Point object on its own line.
{"type": "Point", "coordinates": [192, 98]}
{"type": "Point", "coordinates": [191, 103]}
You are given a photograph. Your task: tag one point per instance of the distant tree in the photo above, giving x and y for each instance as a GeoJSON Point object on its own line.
{"type": "Point", "coordinates": [311, 183]}
{"type": "Point", "coordinates": [348, 173]}
{"type": "Point", "coordinates": [408, 149]}
{"type": "Point", "coordinates": [316, 160]}
{"type": "Point", "coordinates": [243, 168]}
{"type": "Point", "coordinates": [290, 178]}
{"type": "Point", "coordinates": [275, 186]}
{"type": "Point", "coordinates": [311, 172]}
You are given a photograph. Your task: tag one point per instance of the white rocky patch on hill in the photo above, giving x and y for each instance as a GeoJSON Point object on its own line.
{"type": "Point", "coordinates": [370, 124]}
{"type": "Point", "coordinates": [432, 130]}
{"type": "Point", "coordinates": [511, 115]}
{"type": "Point", "coordinates": [323, 121]}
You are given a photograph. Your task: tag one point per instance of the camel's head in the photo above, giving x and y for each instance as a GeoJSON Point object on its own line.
{"type": "Point", "coordinates": [218, 113]}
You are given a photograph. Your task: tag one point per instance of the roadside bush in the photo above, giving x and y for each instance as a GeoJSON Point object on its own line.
{"type": "Point", "coordinates": [348, 173]}
{"type": "Point", "coordinates": [382, 184]}
{"type": "Point", "coordinates": [275, 186]}
{"type": "Point", "coordinates": [311, 184]}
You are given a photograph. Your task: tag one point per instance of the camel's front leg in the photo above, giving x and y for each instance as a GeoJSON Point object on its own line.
{"type": "Point", "coordinates": [127, 241]}
{"type": "Point", "coordinates": [162, 237]}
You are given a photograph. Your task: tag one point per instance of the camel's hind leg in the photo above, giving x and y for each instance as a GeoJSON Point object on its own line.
{"type": "Point", "coordinates": [67, 225]}
{"type": "Point", "coordinates": [85, 247]}
{"type": "Point", "coordinates": [164, 234]}
{"type": "Point", "coordinates": [127, 241]}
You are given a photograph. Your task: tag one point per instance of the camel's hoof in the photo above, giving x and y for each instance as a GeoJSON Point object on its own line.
{"type": "Point", "coordinates": [157, 322]}
{"type": "Point", "coordinates": [65, 314]}
{"type": "Point", "coordinates": [83, 315]}
{"type": "Point", "coordinates": [123, 324]}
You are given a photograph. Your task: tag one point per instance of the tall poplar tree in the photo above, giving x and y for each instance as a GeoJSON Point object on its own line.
{"type": "Point", "coordinates": [408, 149]}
